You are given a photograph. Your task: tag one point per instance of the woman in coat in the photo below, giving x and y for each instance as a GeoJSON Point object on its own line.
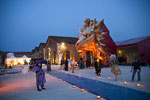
{"type": "Point", "coordinates": [114, 64]}
{"type": "Point", "coordinates": [72, 65]}
{"type": "Point", "coordinates": [40, 77]}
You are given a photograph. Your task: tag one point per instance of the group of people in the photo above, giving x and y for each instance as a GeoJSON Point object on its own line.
{"type": "Point", "coordinates": [136, 67]}
{"type": "Point", "coordinates": [40, 74]}
{"type": "Point", "coordinates": [66, 63]}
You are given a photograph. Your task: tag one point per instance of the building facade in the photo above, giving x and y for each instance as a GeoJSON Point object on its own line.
{"type": "Point", "coordinates": [41, 50]}
{"type": "Point", "coordinates": [136, 48]}
{"type": "Point", "coordinates": [2, 57]}
{"type": "Point", "coordinates": [36, 53]}
{"type": "Point", "coordinates": [59, 48]}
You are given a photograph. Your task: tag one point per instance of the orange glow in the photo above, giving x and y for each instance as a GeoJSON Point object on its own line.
{"type": "Point", "coordinates": [63, 45]}
{"type": "Point", "coordinates": [79, 50]}
{"type": "Point", "coordinates": [138, 85]}
{"type": "Point", "coordinates": [74, 86]}
{"type": "Point", "coordinates": [83, 90]}
{"type": "Point", "coordinates": [16, 85]}
{"type": "Point", "coordinates": [125, 83]}
{"type": "Point", "coordinates": [98, 97]}
{"type": "Point", "coordinates": [91, 41]}
{"type": "Point", "coordinates": [60, 79]}
{"type": "Point", "coordinates": [16, 61]}
{"type": "Point", "coordinates": [119, 51]}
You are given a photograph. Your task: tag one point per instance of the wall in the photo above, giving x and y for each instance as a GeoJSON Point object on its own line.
{"type": "Point", "coordinates": [55, 51]}
{"type": "Point", "coordinates": [128, 53]}
{"type": "Point", "coordinates": [144, 51]}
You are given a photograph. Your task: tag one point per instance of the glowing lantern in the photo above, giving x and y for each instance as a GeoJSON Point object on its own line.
{"type": "Point", "coordinates": [60, 79]}
{"type": "Point", "coordinates": [98, 97]}
{"type": "Point", "coordinates": [74, 86]}
{"type": "Point", "coordinates": [64, 81]}
{"type": "Point", "coordinates": [83, 90]}
{"type": "Point", "coordinates": [109, 78]}
{"type": "Point", "coordinates": [125, 83]}
{"type": "Point", "coordinates": [138, 85]}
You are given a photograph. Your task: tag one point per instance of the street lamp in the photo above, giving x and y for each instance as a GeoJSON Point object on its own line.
{"type": "Point", "coordinates": [63, 45]}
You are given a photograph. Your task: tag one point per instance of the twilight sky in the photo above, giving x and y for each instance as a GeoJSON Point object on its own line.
{"type": "Point", "coordinates": [24, 24]}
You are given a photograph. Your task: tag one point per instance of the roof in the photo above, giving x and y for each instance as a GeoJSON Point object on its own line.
{"type": "Point", "coordinates": [36, 48]}
{"type": "Point", "coordinates": [60, 39]}
{"type": "Point", "coordinates": [20, 54]}
{"type": "Point", "coordinates": [42, 45]}
{"type": "Point", "coordinates": [131, 41]}
{"type": "Point", "coordinates": [33, 50]}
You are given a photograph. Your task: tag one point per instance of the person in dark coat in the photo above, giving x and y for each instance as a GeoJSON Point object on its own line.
{"type": "Point", "coordinates": [136, 68]}
{"type": "Point", "coordinates": [88, 63]}
{"type": "Point", "coordinates": [66, 65]}
{"type": "Point", "coordinates": [61, 63]}
{"type": "Point", "coordinates": [100, 66]}
{"type": "Point", "coordinates": [40, 76]}
{"type": "Point", "coordinates": [81, 63]}
{"type": "Point", "coordinates": [97, 69]}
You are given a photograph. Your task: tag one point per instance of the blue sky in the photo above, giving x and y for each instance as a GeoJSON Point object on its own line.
{"type": "Point", "coordinates": [26, 23]}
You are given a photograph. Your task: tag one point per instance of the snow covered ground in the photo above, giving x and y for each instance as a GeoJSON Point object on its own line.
{"type": "Point", "coordinates": [23, 87]}
{"type": "Point", "coordinates": [125, 76]}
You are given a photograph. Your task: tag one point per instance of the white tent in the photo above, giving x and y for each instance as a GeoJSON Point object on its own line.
{"type": "Point", "coordinates": [12, 60]}
{"type": "Point", "coordinates": [10, 55]}
{"type": "Point", "coordinates": [24, 56]}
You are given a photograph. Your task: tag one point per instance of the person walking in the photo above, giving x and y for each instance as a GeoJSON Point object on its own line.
{"type": "Point", "coordinates": [114, 66]}
{"type": "Point", "coordinates": [66, 65]}
{"type": "Point", "coordinates": [40, 77]}
{"type": "Point", "coordinates": [87, 63]}
{"type": "Point", "coordinates": [136, 68]}
{"type": "Point", "coordinates": [72, 65]}
{"type": "Point", "coordinates": [97, 69]}
{"type": "Point", "coordinates": [49, 65]}
{"type": "Point", "coordinates": [81, 63]}
{"type": "Point", "coordinates": [61, 63]}
{"type": "Point", "coordinates": [25, 69]}
{"type": "Point", "coordinates": [100, 66]}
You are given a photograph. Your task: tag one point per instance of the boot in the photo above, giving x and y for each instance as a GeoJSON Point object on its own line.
{"type": "Point", "coordinates": [42, 86]}
{"type": "Point", "coordinates": [39, 89]}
